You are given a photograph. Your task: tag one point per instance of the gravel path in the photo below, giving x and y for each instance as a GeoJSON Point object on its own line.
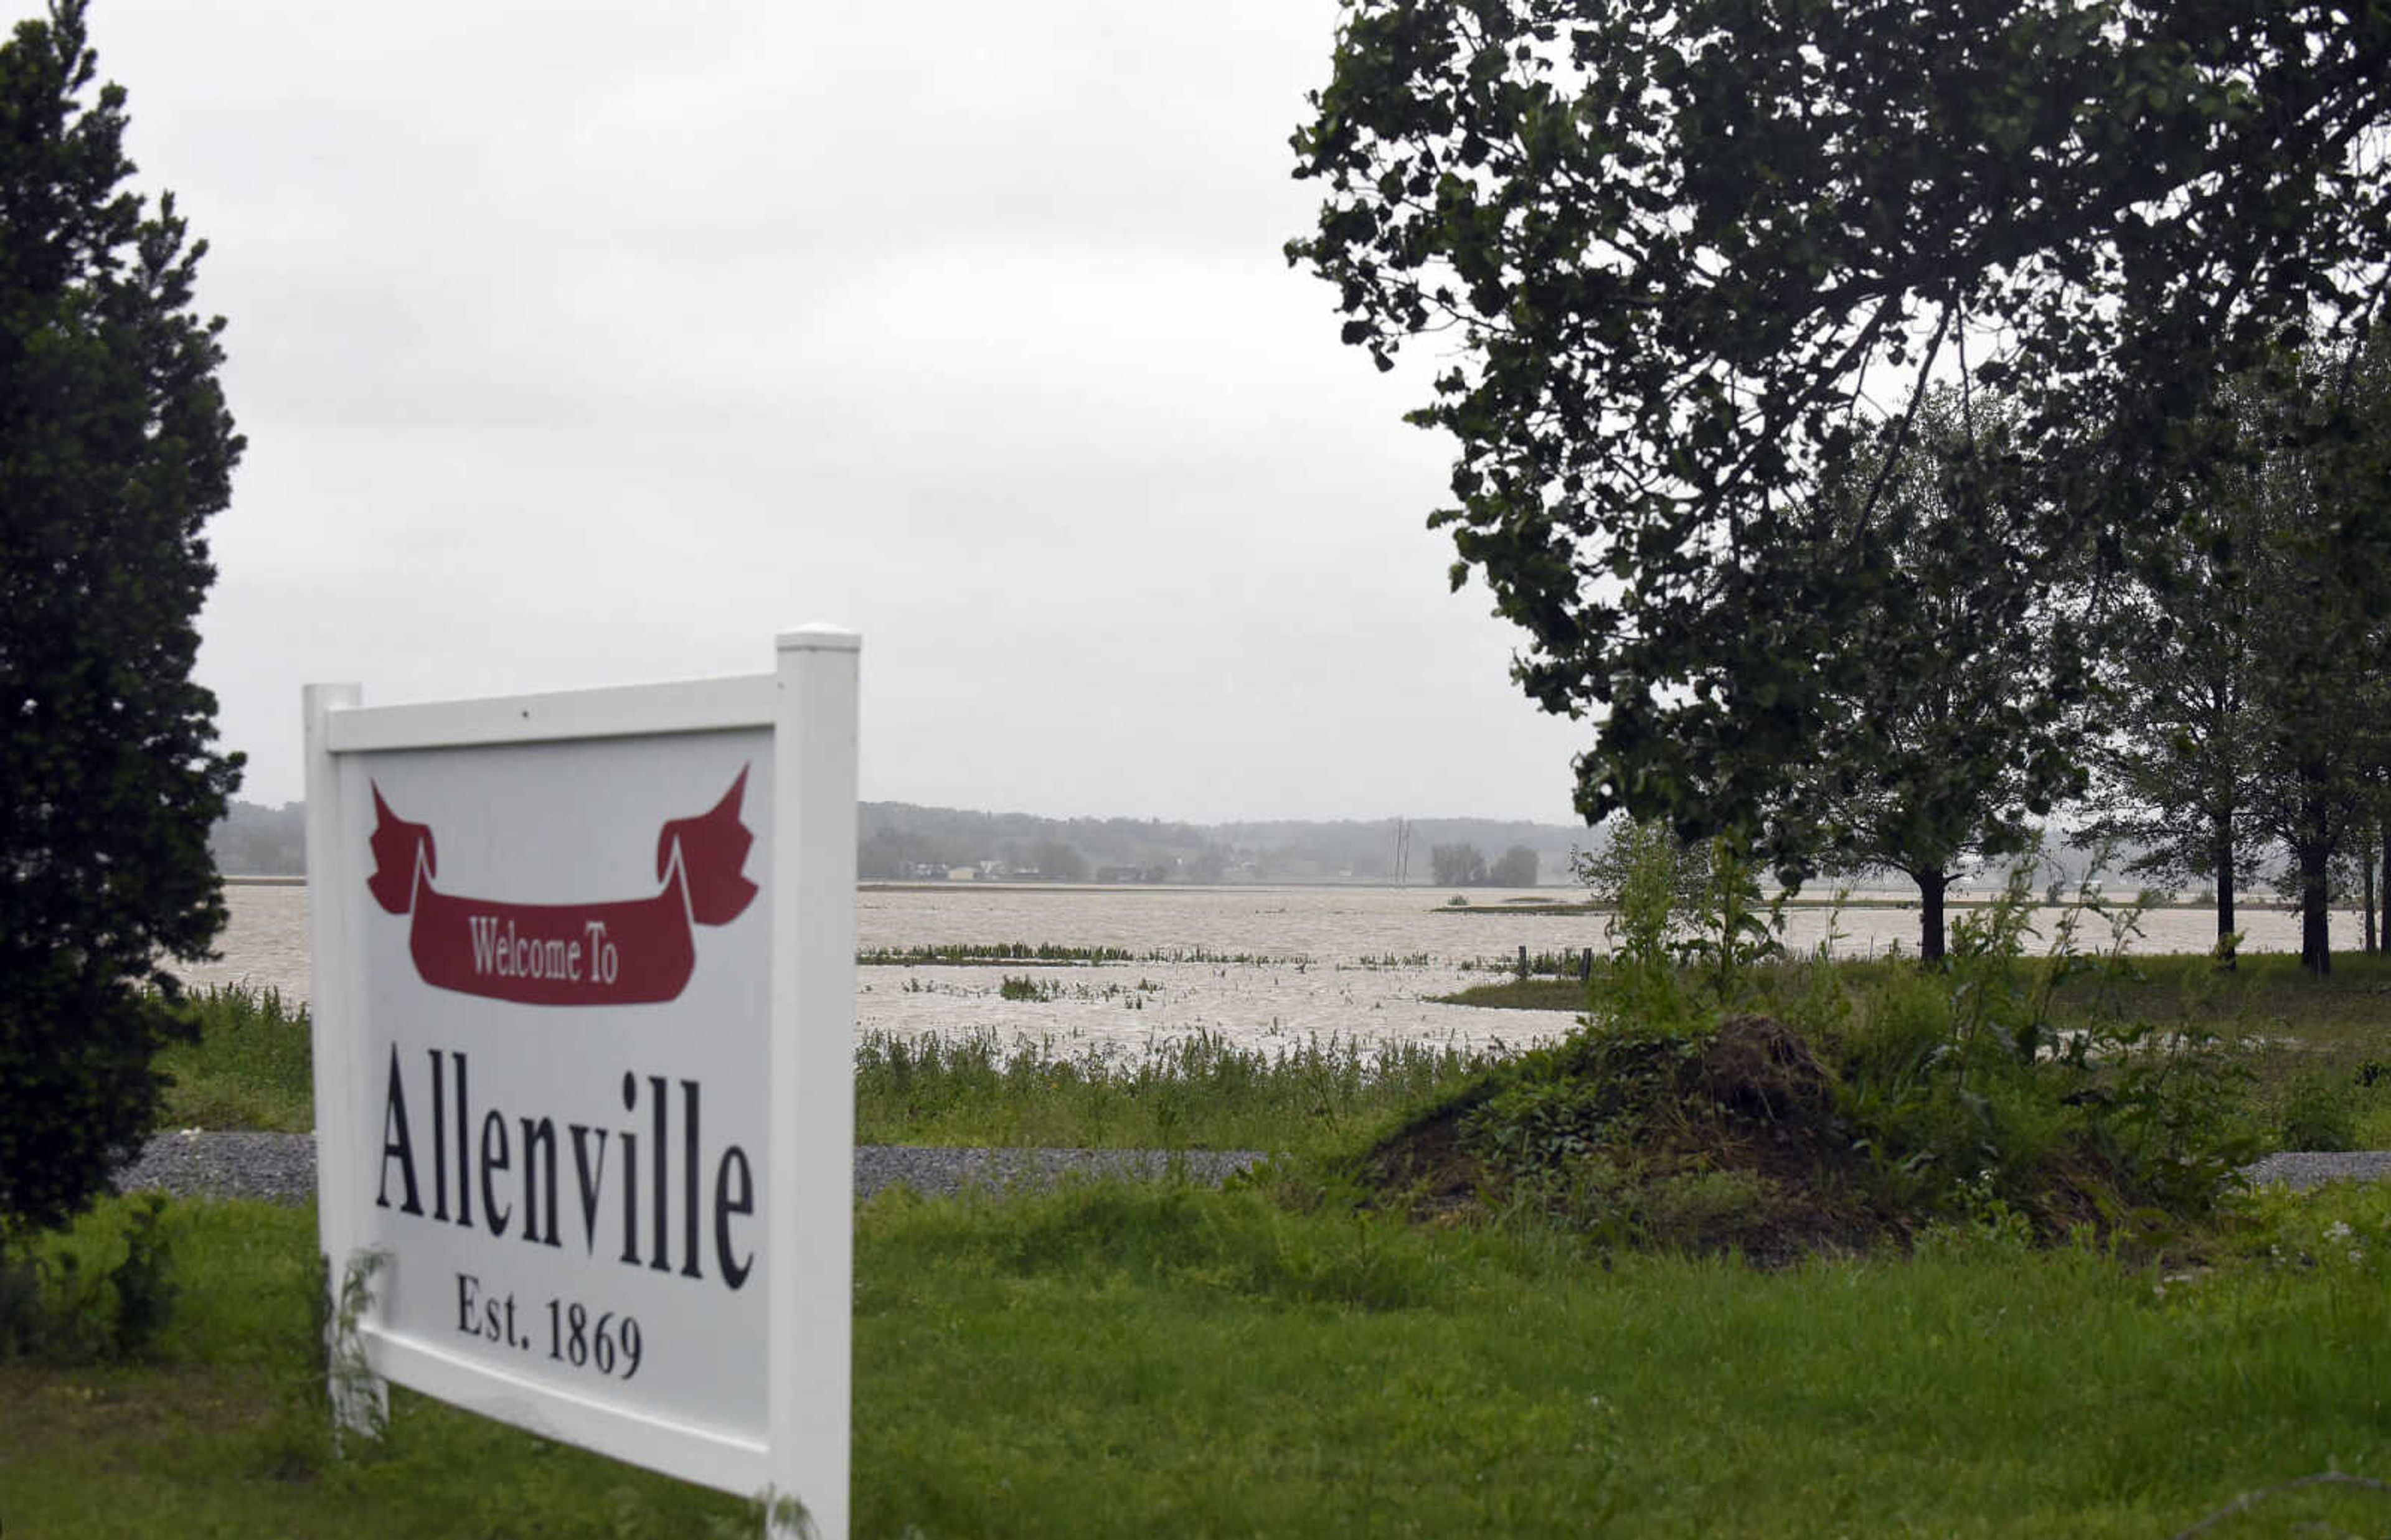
{"type": "Point", "coordinates": [281, 1167]}
{"type": "Point", "coordinates": [2311, 1168]}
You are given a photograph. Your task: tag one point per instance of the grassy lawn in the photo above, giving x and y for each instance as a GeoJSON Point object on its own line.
{"type": "Point", "coordinates": [223, 1430]}
{"type": "Point", "coordinates": [1159, 1361]}
{"type": "Point", "coordinates": [1288, 1358]}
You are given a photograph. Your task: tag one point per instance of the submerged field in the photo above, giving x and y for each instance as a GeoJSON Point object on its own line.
{"type": "Point", "coordinates": [2317, 1054]}
{"type": "Point", "coordinates": [1258, 968]}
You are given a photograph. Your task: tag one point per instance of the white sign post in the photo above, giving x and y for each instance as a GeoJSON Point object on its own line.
{"type": "Point", "coordinates": [584, 1015]}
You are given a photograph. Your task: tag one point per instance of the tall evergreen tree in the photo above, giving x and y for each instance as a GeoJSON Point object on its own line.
{"type": "Point", "coordinates": [115, 449]}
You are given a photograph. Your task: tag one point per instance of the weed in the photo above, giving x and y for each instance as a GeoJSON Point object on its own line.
{"type": "Point", "coordinates": [2324, 1115]}
{"type": "Point", "coordinates": [250, 1063]}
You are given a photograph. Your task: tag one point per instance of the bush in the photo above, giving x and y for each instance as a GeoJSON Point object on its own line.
{"type": "Point", "coordinates": [104, 1292]}
{"type": "Point", "coordinates": [1870, 1101]}
{"type": "Point", "coordinates": [2321, 1116]}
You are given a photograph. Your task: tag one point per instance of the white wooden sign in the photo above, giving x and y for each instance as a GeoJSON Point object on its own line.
{"type": "Point", "coordinates": [583, 1016]}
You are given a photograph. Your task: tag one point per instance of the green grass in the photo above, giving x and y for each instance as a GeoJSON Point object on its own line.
{"type": "Point", "coordinates": [970, 954]}
{"type": "Point", "coordinates": [1160, 1361]}
{"type": "Point", "coordinates": [984, 954]}
{"type": "Point", "coordinates": [251, 1067]}
{"type": "Point", "coordinates": [2308, 1043]}
{"type": "Point", "coordinates": [223, 1431]}
{"type": "Point", "coordinates": [2264, 991]}
{"type": "Point", "coordinates": [1197, 1093]}
{"type": "Point", "coordinates": [2319, 1050]}
{"type": "Point", "coordinates": [1516, 993]}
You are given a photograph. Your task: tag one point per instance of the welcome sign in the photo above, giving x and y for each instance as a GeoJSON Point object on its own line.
{"type": "Point", "coordinates": [568, 954]}
{"type": "Point", "coordinates": [583, 1016]}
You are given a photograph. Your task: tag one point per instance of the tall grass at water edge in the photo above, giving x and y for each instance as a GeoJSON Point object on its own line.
{"type": "Point", "coordinates": [251, 1065]}
{"type": "Point", "coordinates": [1052, 954]}
{"type": "Point", "coordinates": [2317, 1051]}
{"type": "Point", "coordinates": [1198, 1092]}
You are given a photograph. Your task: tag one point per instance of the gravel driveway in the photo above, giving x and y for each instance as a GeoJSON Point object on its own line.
{"type": "Point", "coordinates": [281, 1167]}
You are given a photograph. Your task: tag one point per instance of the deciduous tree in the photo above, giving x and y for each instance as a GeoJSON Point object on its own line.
{"type": "Point", "coordinates": [1515, 867]}
{"type": "Point", "coordinates": [1946, 730]}
{"type": "Point", "coordinates": [2247, 705]}
{"type": "Point", "coordinates": [1665, 250]}
{"type": "Point", "coordinates": [1458, 866]}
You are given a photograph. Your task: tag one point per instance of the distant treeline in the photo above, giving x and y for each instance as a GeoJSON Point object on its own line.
{"type": "Point", "coordinates": [901, 841]}
{"type": "Point", "coordinates": [904, 841]}
{"type": "Point", "coordinates": [260, 842]}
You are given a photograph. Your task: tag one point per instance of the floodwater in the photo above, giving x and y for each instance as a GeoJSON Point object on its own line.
{"type": "Point", "coordinates": [1260, 966]}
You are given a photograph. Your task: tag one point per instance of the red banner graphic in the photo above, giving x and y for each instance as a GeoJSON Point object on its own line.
{"type": "Point", "coordinates": [630, 952]}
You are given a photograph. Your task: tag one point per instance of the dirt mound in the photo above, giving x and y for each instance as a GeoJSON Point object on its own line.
{"type": "Point", "coordinates": [1725, 1140]}
{"type": "Point", "coordinates": [1757, 1068]}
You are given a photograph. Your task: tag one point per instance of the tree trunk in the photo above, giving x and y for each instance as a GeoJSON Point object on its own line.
{"type": "Point", "coordinates": [2366, 881]}
{"type": "Point", "coordinates": [2225, 899]}
{"type": "Point", "coordinates": [2316, 942]}
{"type": "Point", "coordinates": [1930, 915]}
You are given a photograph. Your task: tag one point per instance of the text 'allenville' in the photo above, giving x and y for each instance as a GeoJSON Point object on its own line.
{"type": "Point", "coordinates": [488, 1159]}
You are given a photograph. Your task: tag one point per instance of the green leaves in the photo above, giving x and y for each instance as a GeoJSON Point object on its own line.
{"type": "Point", "coordinates": [1693, 235]}
{"type": "Point", "coordinates": [115, 449]}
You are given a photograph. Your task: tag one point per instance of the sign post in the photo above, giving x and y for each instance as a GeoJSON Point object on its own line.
{"type": "Point", "coordinates": [583, 1016]}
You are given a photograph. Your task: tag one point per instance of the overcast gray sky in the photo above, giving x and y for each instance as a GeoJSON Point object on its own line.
{"type": "Point", "coordinates": [592, 342]}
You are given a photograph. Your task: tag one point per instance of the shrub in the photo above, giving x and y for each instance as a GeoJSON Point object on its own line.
{"type": "Point", "coordinates": [104, 1292]}
{"type": "Point", "coordinates": [2320, 1117]}
{"type": "Point", "coordinates": [1870, 1100]}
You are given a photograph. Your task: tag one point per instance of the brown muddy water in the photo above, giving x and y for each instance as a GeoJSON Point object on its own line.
{"type": "Point", "coordinates": [1260, 966]}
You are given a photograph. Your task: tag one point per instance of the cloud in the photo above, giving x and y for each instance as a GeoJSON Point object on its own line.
{"type": "Point", "coordinates": [592, 342]}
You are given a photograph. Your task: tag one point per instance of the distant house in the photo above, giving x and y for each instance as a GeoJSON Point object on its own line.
{"type": "Point", "coordinates": [962, 874]}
